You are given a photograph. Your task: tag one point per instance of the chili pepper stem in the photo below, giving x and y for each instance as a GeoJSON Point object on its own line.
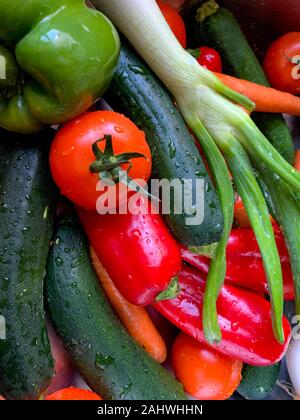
{"type": "Point", "coordinates": [171, 292]}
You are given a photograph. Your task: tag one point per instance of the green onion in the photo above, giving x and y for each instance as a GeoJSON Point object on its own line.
{"type": "Point", "coordinates": [217, 269]}
{"type": "Point", "coordinates": [285, 209]}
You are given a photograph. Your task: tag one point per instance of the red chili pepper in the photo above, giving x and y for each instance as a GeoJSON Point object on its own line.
{"type": "Point", "coordinates": [242, 242]}
{"type": "Point", "coordinates": [138, 252]}
{"type": "Point", "coordinates": [244, 263]}
{"type": "Point", "coordinates": [244, 319]}
{"type": "Point", "coordinates": [246, 272]}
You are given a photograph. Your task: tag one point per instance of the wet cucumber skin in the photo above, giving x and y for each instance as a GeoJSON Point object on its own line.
{"type": "Point", "coordinates": [104, 354]}
{"type": "Point", "coordinates": [26, 224]}
{"type": "Point", "coordinates": [258, 382]}
{"type": "Point", "coordinates": [137, 92]}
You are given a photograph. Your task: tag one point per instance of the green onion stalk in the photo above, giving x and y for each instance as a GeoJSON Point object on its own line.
{"type": "Point", "coordinates": [215, 113]}
{"type": "Point", "coordinates": [285, 208]}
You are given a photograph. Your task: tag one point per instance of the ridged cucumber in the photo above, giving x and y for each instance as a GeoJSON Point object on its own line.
{"type": "Point", "coordinates": [111, 363]}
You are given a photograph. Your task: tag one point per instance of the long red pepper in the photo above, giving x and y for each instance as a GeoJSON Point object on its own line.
{"type": "Point", "coordinates": [137, 250]}
{"type": "Point", "coordinates": [242, 242]}
{"type": "Point", "coordinates": [244, 318]}
{"type": "Point", "coordinates": [247, 272]}
{"type": "Point", "coordinates": [244, 262]}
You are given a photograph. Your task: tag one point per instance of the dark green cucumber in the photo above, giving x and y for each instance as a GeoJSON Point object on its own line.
{"type": "Point", "coordinates": [111, 363]}
{"type": "Point", "coordinates": [26, 222]}
{"type": "Point", "coordinates": [222, 32]}
{"type": "Point", "coordinates": [258, 382]}
{"type": "Point", "coordinates": [137, 92]}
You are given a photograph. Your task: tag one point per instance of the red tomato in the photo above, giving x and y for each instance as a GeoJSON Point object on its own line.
{"type": "Point", "coordinates": [174, 20]}
{"type": "Point", "coordinates": [282, 63]}
{"type": "Point", "coordinates": [71, 155]}
{"type": "Point", "coordinates": [72, 393]}
{"type": "Point", "coordinates": [204, 373]}
{"type": "Point", "coordinates": [208, 58]}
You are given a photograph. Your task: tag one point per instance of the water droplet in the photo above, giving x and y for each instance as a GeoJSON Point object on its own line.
{"type": "Point", "coordinates": [119, 129]}
{"type": "Point", "coordinates": [67, 152]}
{"type": "Point", "coordinates": [102, 362]}
{"type": "Point", "coordinates": [125, 390]}
{"type": "Point", "coordinates": [58, 261]}
{"type": "Point", "coordinates": [136, 69]}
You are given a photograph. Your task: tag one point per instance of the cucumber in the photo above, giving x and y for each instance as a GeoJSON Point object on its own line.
{"type": "Point", "coordinates": [258, 382]}
{"type": "Point", "coordinates": [26, 222]}
{"type": "Point", "coordinates": [111, 363]}
{"type": "Point", "coordinates": [222, 32]}
{"type": "Point", "coordinates": [137, 92]}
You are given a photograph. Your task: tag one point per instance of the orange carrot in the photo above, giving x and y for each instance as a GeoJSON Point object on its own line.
{"type": "Point", "coordinates": [266, 99]}
{"type": "Point", "coordinates": [134, 318]}
{"type": "Point", "coordinates": [297, 160]}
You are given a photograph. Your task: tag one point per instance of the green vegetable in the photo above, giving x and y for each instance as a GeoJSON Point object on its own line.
{"type": "Point", "coordinates": [108, 359]}
{"type": "Point", "coordinates": [56, 58]}
{"type": "Point", "coordinates": [217, 269]}
{"type": "Point", "coordinates": [136, 92]}
{"type": "Point", "coordinates": [207, 106]}
{"type": "Point", "coordinates": [26, 222]}
{"type": "Point", "coordinates": [258, 382]}
{"type": "Point", "coordinates": [220, 30]}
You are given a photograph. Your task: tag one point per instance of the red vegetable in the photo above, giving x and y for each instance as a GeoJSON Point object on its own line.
{"type": "Point", "coordinates": [210, 375]}
{"type": "Point", "coordinates": [71, 157]}
{"type": "Point", "coordinates": [247, 272]}
{"type": "Point", "coordinates": [72, 393]}
{"type": "Point", "coordinates": [208, 57]}
{"type": "Point", "coordinates": [174, 20]}
{"type": "Point", "coordinates": [244, 318]}
{"type": "Point", "coordinates": [282, 63]}
{"type": "Point", "coordinates": [138, 252]}
{"type": "Point", "coordinates": [244, 263]}
{"type": "Point", "coordinates": [242, 242]}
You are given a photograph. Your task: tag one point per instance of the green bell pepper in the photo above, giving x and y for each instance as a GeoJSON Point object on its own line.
{"type": "Point", "coordinates": [56, 59]}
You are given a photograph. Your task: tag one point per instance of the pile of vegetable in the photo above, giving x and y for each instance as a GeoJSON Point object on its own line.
{"type": "Point", "coordinates": [102, 279]}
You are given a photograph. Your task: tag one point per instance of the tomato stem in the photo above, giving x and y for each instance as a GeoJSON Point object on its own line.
{"type": "Point", "coordinates": [108, 165]}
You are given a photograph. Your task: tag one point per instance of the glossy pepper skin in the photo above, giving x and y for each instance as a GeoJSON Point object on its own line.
{"type": "Point", "coordinates": [246, 272]}
{"type": "Point", "coordinates": [59, 56]}
{"type": "Point", "coordinates": [244, 318]}
{"type": "Point", "coordinates": [137, 250]}
{"type": "Point", "coordinates": [244, 262]}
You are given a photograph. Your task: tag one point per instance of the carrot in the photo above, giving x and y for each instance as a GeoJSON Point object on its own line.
{"type": "Point", "coordinates": [266, 99]}
{"type": "Point", "coordinates": [297, 160]}
{"type": "Point", "coordinates": [135, 318]}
